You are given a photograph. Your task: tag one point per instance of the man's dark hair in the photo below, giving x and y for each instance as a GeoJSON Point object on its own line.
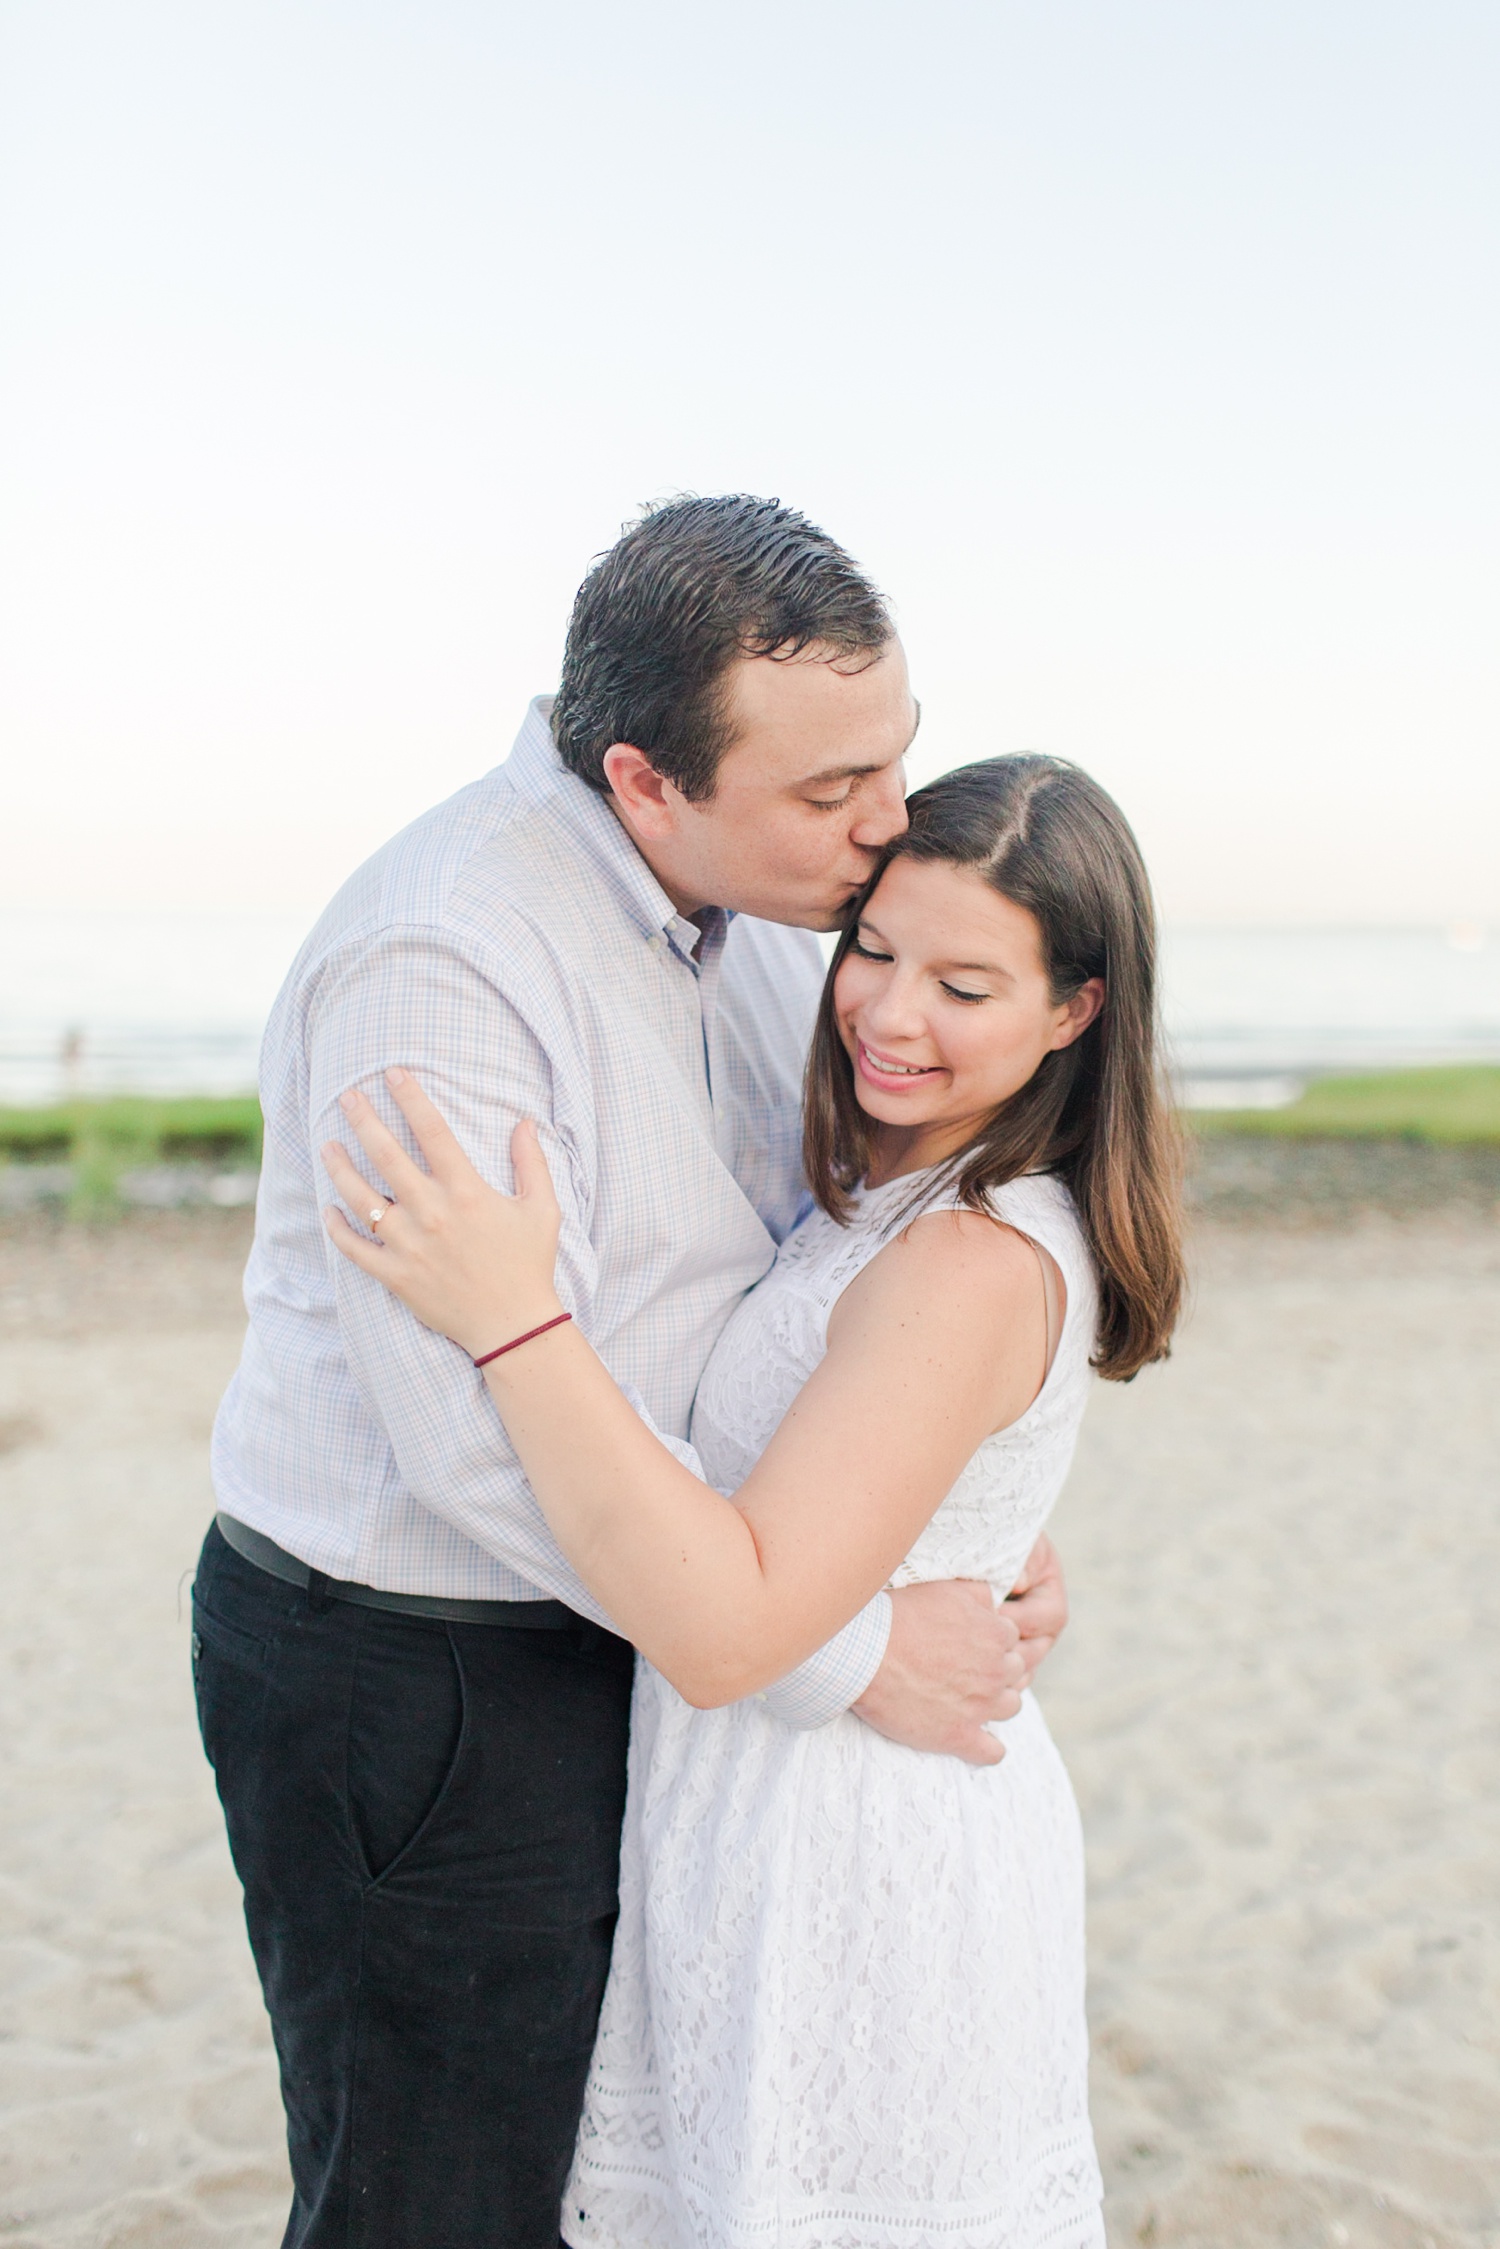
{"type": "Point", "coordinates": [661, 617]}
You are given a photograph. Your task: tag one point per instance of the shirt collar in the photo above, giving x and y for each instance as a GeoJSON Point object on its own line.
{"type": "Point", "coordinates": [536, 772]}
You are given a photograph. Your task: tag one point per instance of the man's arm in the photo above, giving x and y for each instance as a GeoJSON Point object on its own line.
{"type": "Point", "coordinates": [415, 999]}
{"type": "Point", "coordinates": [931, 1665]}
{"type": "Point", "coordinates": [837, 1674]}
{"type": "Point", "coordinates": [956, 1662]}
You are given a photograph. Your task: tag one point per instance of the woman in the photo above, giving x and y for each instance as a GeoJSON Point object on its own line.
{"type": "Point", "coordinates": [845, 2008]}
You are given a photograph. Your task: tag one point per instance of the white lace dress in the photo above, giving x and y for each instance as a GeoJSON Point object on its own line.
{"type": "Point", "coordinates": [845, 2009]}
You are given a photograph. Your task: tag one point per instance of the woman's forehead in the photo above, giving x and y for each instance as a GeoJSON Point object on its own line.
{"type": "Point", "coordinates": [931, 904]}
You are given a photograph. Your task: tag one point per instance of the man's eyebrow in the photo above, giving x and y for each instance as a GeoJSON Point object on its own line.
{"type": "Point", "coordinates": [829, 773]}
{"type": "Point", "coordinates": [855, 772]}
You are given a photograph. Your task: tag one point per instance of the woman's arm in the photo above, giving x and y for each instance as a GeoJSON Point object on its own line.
{"type": "Point", "coordinates": [938, 1342]}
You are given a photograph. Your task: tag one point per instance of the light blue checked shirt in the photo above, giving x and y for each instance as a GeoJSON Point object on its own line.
{"type": "Point", "coordinates": [514, 949]}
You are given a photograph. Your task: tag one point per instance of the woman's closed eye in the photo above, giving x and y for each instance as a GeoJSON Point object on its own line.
{"type": "Point", "coordinates": [869, 952]}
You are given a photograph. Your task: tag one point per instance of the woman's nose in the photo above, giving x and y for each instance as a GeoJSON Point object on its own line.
{"type": "Point", "coordinates": [893, 1012]}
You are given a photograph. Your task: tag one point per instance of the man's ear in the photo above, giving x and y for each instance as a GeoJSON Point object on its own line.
{"type": "Point", "coordinates": [1079, 1012]}
{"type": "Point", "coordinates": [647, 800]}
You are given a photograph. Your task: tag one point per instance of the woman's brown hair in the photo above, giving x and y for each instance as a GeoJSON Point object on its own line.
{"type": "Point", "coordinates": [1043, 834]}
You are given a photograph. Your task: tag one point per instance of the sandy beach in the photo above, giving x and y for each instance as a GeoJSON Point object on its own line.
{"type": "Point", "coordinates": [1279, 1701]}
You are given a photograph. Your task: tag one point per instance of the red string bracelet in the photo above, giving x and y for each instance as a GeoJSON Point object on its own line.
{"type": "Point", "coordinates": [516, 1341]}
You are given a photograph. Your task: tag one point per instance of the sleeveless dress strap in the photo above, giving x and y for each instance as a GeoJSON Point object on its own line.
{"type": "Point", "coordinates": [1040, 1209]}
{"type": "Point", "coordinates": [1036, 1206]}
{"type": "Point", "coordinates": [1047, 1265]}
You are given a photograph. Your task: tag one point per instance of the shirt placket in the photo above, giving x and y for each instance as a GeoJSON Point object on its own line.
{"type": "Point", "coordinates": [701, 951]}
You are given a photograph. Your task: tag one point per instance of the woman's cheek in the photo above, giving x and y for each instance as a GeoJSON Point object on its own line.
{"type": "Point", "coordinates": [980, 1061]}
{"type": "Point", "coordinates": [850, 987]}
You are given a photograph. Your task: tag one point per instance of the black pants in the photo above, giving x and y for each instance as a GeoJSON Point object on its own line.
{"type": "Point", "coordinates": [426, 1820]}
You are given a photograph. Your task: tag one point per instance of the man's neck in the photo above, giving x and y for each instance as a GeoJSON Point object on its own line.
{"type": "Point", "coordinates": [690, 908]}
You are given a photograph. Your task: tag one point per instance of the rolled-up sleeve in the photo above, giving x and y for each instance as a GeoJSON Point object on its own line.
{"type": "Point", "coordinates": [828, 1682]}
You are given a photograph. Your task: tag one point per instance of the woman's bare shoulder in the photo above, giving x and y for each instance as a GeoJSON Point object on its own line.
{"type": "Point", "coordinates": [951, 1265]}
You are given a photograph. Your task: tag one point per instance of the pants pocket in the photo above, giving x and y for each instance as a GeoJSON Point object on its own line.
{"type": "Point", "coordinates": [230, 1669]}
{"type": "Point", "coordinates": [407, 1711]}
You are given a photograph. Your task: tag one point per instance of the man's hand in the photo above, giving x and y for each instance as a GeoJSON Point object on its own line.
{"type": "Point", "coordinates": [953, 1662]}
{"type": "Point", "coordinates": [1038, 1601]}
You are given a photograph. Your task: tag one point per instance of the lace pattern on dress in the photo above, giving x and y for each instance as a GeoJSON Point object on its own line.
{"type": "Point", "coordinates": [845, 2009]}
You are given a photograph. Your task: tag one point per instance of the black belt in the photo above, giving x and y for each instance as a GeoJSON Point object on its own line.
{"type": "Point", "coordinates": [254, 1546]}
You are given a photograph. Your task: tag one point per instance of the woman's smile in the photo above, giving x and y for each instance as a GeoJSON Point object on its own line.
{"type": "Point", "coordinates": [950, 972]}
{"type": "Point", "coordinates": [891, 1075]}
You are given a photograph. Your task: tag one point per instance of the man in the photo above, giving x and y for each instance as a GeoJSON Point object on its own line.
{"type": "Point", "coordinates": [416, 1713]}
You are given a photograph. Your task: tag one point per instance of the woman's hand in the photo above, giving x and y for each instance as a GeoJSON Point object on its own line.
{"type": "Point", "coordinates": [476, 1265]}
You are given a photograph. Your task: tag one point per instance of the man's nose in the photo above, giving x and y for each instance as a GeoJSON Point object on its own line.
{"type": "Point", "coordinates": [882, 809]}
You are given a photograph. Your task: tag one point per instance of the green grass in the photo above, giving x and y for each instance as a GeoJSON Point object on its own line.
{"type": "Point", "coordinates": [1461, 1104]}
{"type": "Point", "coordinates": [102, 1139]}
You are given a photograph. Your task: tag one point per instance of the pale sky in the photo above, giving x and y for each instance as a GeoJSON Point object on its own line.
{"type": "Point", "coordinates": [1146, 354]}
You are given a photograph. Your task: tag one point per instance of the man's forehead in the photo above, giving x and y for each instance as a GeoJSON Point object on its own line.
{"type": "Point", "coordinates": [819, 734]}
{"type": "Point", "coordinates": [817, 675]}
{"type": "Point", "coordinates": [836, 768]}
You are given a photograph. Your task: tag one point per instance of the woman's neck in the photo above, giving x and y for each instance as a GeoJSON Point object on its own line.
{"type": "Point", "coordinates": [898, 1150]}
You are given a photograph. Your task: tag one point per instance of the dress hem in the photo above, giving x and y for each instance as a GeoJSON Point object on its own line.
{"type": "Point", "coordinates": [839, 2222]}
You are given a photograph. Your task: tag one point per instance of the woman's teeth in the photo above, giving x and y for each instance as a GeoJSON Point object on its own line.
{"type": "Point", "coordinates": [889, 1069]}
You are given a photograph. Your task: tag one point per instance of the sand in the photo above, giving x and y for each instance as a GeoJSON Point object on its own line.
{"type": "Point", "coordinates": [1278, 1699]}
{"type": "Point", "coordinates": [137, 2087]}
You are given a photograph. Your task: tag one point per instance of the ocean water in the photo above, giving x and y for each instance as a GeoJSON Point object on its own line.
{"type": "Point", "coordinates": [1251, 1014]}
{"type": "Point", "coordinates": [168, 1002]}
{"type": "Point", "coordinates": [137, 1002]}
